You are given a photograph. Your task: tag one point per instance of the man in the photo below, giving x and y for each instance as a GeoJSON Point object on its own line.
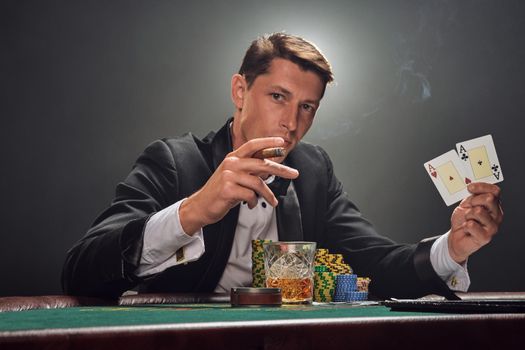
{"type": "Point", "coordinates": [184, 218]}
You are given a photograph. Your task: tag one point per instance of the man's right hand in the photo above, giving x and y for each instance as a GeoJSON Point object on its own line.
{"type": "Point", "coordinates": [237, 179]}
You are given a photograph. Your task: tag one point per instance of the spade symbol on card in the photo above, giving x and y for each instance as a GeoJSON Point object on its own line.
{"type": "Point", "coordinates": [450, 178]}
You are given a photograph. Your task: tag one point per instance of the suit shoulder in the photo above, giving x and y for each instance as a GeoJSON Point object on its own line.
{"type": "Point", "coordinates": [176, 141]}
{"type": "Point", "coordinates": [163, 150]}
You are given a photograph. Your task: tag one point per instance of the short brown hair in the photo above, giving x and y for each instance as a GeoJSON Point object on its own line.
{"type": "Point", "coordinates": [264, 49]}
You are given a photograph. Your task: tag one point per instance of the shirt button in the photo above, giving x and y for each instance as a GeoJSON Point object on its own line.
{"type": "Point", "coordinates": [263, 204]}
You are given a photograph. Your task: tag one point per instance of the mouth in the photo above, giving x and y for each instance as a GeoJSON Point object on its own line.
{"type": "Point", "coordinates": [287, 141]}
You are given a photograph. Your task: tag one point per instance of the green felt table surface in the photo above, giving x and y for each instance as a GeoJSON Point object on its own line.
{"type": "Point", "coordinates": [77, 317]}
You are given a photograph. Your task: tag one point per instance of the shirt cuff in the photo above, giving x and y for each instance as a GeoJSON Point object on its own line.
{"type": "Point", "coordinates": [166, 244]}
{"type": "Point", "coordinates": [453, 274]}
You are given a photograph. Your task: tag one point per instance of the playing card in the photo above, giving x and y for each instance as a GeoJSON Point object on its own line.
{"type": "Point", "coordinates": [480, 160]}
{"type": "Point", "coordinates": [448, 174]}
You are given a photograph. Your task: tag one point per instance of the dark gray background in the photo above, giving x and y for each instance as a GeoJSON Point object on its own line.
{"type": "Point", "coordinates": [87, 85]}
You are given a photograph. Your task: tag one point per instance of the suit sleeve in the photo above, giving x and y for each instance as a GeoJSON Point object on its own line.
{"type": "Point", "coordinates": [102, 263]}
{"type": "Point", "coordinates": [396, 270]}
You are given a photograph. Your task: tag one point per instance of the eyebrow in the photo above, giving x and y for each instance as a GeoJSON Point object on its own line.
{"type": "Point", "coordinates": [289, 93]}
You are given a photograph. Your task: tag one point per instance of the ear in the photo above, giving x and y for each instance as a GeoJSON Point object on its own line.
{"type": "Point", "coordinates": [239, 88]}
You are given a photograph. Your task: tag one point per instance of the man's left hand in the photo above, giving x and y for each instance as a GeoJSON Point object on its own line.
{"type": "Point", "coordinates": [475, 221]}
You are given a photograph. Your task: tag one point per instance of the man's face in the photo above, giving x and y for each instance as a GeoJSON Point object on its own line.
{"type": "Point", "coordinates": [282, 102]}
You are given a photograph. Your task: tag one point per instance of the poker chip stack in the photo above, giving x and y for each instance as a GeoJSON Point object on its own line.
{"type": "Point", "coordinates": [320, 254]}
{"type": "Point", "coordinates": [324, 284]}
{"type": "Point", "coordinates": [334, 262]}
{"type": "Point", "coordinates": [346, 289]}
{"type": "Point", "coordinates": [334, 280]}
{"type": "Point", "coordinates": [326, 267]}
{"type": "Point", "coordinates": [259, 277]}
{"type": "Point", "coordinates": [362, 284]}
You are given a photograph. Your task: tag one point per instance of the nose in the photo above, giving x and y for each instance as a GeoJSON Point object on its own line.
{"type": "Point", "coordinates": [289, 117]}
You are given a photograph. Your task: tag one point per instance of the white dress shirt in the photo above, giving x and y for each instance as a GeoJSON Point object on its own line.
{"type": "Point", "coordinates": [166, 244]}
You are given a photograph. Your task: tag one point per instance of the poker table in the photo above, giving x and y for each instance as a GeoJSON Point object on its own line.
{"type": "Point", "coordinates": [182, 321]}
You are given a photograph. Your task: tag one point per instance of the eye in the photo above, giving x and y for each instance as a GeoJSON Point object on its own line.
{"type": "Point", "coordinates": [307, 107]}
{"type": "Point", "coordinates": [277, 96]}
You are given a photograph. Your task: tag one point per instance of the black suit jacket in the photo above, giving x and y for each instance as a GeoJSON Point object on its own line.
{"type": "Point", "coordinates": [316, 209]}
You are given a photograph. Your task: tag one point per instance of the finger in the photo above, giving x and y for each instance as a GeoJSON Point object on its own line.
{"type": "Point", "coordinates": [466, 203]}
{"type": "Point", "coordinates": [481, 216]}
{"type": "Point", "coordinates": [267, 166]}
{"type": "Point", "coordinates": [477, 232]}
{"type": "Point", "coordinates": [246, 195]}
{"type": "Point", "coordinates": [259, 167]}
{"type": "Point", "coordinates": [489, 202]}
{"type": "Point", "coordinates": [257, 185]}
{"type": "Point", "coordinates": [483, 187]}
{"type": "Point", "coordinates": [252, 146]}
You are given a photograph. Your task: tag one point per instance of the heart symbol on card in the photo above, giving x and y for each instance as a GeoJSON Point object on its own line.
{"type": "Point", "coordinates": [467, 180]}
{"type": "Point", "coordinates": [434, 173]}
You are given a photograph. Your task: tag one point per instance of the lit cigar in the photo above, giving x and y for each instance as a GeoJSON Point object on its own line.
{"type": "Point", "coordinates": [270, 153]}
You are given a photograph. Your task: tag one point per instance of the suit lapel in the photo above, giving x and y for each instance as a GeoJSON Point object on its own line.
{"type": "Point", "coordinates": [221, 144]}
